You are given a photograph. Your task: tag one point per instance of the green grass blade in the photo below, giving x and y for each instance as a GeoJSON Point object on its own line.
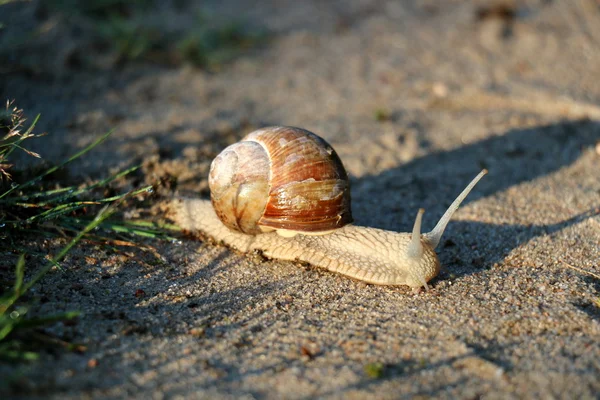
{"type": "Point", "coordinates": [19, 273]}
{"type": "Point", "coordinates": [68, 207]}
{"type": "Point", "coordinates": [9, 354]}
{"type": "Point", "coordinates": [60, 210]}
{"type": "Point", "coordinates": [33, 124]}
{"type": "Point", "coordinates": [22, 137]}
{"type": "Point", "coordinates": [36, 322]}
{"type": "Point", "coordinates": [154, 225]}
{"type": "Point", "coordinates": [20, 200]}
{"type": "Point", "coordinates": [6, 321]}
{"type": "Point", "coordinates": [55, 168]}
{"type": "Point", "coordinates": [6, 328]}
{"type": "Point", "coordinates": [32, 196]}
{"type": "Point", "coordinates": [9, 322]}
{"type": "Point", "coordinates": [10, 351]}
{"type": "Point", "coordinates": [125, 228]}
{"type": "Point", "coordinates": [85, 189]}
{"type": "Point", "coordinates": [120, 196]}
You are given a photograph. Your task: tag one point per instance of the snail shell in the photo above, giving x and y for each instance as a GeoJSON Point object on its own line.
{"type": "Point", "coordinates": [280, 178]}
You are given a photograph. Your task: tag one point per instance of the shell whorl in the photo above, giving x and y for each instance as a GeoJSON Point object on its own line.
{"type": "Point", "coordinates": [239, 185]}
{"type": "Point", "coordinates": [281, 178]}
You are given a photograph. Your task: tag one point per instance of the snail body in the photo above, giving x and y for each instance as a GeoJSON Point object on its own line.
{"type": "Point", "coordinates": [311, 222]}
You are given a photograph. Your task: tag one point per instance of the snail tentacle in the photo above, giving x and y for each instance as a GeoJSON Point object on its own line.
{"type": "Point", "coordinates": [436, 233]}
{"type": "Point", "coordinates": [415, 248]}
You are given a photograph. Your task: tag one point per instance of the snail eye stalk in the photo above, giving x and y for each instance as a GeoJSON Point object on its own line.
{"type": "Point", "coordinates": [415, 248]}
{"type": "Point", "coordinates": [435, 235]}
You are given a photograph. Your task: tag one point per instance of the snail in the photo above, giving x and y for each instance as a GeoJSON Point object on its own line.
{"type": "Point", "coordinates": [284, 191]}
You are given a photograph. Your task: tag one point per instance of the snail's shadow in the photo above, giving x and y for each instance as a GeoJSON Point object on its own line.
{"type": "Point", "coordinates": [391, 199]}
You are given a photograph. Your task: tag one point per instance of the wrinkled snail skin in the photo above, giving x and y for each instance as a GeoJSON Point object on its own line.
{"type": "Point", "coordinates": [367, 254]}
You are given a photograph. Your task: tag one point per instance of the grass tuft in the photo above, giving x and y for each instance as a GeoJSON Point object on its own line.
{"type": "Point", "coordinates": [132, 32]}
{"type": "Point", "coordinates": [212, 45]}
{"type": "Point", "coordinates": [80, 213]}
{"type": "Point", "coordinates": [11, 125]}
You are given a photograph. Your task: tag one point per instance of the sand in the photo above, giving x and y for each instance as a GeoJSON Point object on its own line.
{"type": "Point", "coordinates": [416, 97]}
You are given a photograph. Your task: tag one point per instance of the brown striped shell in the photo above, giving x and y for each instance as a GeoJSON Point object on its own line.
{"type": "Point", "coordinates": [280, 178]}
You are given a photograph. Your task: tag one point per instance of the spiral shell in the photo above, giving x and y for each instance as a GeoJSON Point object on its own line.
{"type": "Point", "coordinates": [280, 178]}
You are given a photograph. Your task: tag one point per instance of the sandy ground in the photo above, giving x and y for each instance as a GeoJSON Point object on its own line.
{"type": "Point", "coordinates": [462, 89]}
